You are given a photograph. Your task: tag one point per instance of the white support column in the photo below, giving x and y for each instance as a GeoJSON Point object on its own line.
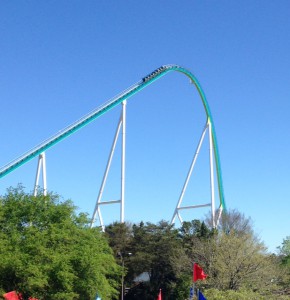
{"type": "Point", "coordinates": [179, 217]}
{"type": "Point", "coordinates": [188, 176]}
{"type": "Point", "coordinates": [211, 176]}
{"type": "Point", "coordinates": [178, 208]}
{"type": "Point", "coordinates": [220, 210]}
{"type": "Point", "coordinates": [122, 215]}
{"type": "Point", "coordinates": [37, 175]}
{"type": "Point", "coordinates": [40, 165]}
{"type": "Point", "coordinates": [97, 210]}
{"type": "Point", "coordinates": [44, 174]}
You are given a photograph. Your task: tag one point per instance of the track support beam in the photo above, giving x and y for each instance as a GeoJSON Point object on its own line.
{"type": "Point", "coordinates": [97, 210]}
{"type": "Point", "coordinates": [178, 208]}
{"type": "Point", "coordinates": [41, 165]}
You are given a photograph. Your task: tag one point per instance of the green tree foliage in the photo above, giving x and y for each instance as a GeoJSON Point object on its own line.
{"type": "Point", "coordinates": [164, 259]}
{"type": "Point", "coordinates": [49, 252]}
{"type": "Point", "coordinates": [284, 255]}
{"type": "Point", "coordinates": [232, 256]}
{"type": "Point", "coordinates": [235, 258]}
{"type": "Point", "coordinates": [120, 237]}
{"type": "Point", "coordinates": [215, 294]}
{"type": "Point", "coordinates": [234, 221]}
{"type": "Point", "coordinates": [156, 250]}
{"type": "Point", "coordinates": [284, 251]}
{"type": "Point", "coordinates": [195, 235]}
{"type": "Point", "coordinates": [236, 262]}
{"type": "Point", "coordinates": [240, 261]}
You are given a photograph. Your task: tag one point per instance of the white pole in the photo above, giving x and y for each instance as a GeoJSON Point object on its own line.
{"type": "Point", "coordinates": [189, 174]}
{"type": "Point", "coordinates": [122, 217]}
{"type": "Point", "coordinates": [97, 210]}
{"type": "Point", "coordinates": [211, 176]}
{"type": "Point", "coordinates": [37, 176]}
{"type": "Point", "coordinates": [41, 164]}
{"type": "Point", "coordinates": [44, 174]}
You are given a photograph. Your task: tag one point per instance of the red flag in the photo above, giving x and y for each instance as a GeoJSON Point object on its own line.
{"type": "Point", "coordinates": [198, 273]}
{"type": "Point", "coordinates": [159, 295]}
{"type": "Point", "coordinates": [11, 296]}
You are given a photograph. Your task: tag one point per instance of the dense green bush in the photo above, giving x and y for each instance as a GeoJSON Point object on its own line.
{"type": "Point", "coordinates": [49, 252]}
{"type": "Point", "coordinates": [214, 294]}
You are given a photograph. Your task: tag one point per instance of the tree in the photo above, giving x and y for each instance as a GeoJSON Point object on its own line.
{"type": "Point", "coordinates": [245, 294]}
{"type": "Point", "coordinates": [157, 250]}
{"type": "Point", "coordinates": [284, 250]}
{"type": "Point", "coordinates": [49, 252]}
{"type": "Point", "coordinates": [240, 261]}
{"type": "Point", "coordinates": [233, 220]}
{"type": "Point", "coordinates": [120, 237]}
{"type": "Point", "coordinates": [284, 254]}
{"type": "Point", "coordinates": [236, 261]}
{"type": "Point", "coordinates": [234, 258]}
{"type": "Point", "coordinates": [194, 233]}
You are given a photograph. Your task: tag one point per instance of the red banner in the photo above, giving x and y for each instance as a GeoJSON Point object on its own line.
{"type": "Point", "coordinates": [11, 296]}
{"type": "Point", "coordinates": [198, 273]}
{"type": "Point", "coordinates": [159, 295]}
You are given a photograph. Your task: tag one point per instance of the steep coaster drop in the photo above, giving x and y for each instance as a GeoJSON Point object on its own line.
{"type": "Point", "coordinates": [121, 98]}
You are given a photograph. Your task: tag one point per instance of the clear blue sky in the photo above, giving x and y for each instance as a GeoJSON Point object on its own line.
{"type": "Point", "coordinates": [61, 59]}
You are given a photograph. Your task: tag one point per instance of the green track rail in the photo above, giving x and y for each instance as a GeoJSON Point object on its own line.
{"type": "Point", "coordinates": [155, 75]}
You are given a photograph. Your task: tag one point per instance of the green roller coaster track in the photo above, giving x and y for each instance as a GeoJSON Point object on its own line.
{"type": "Point", "coordinates": [155, 75]}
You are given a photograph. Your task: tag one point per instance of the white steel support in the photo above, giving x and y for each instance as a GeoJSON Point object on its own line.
{"type": "Point", "coordinates": [219, 213]}
{"type": "Point", "coordinates": [208, 127]}
{"type": "Point", "coordinates": [41, 165]}
{"type": "Point", "coordinates": [211, 176]}
{"type": "Point", "coordinates": [176, 211]}
{"type": "Point", "coordinates": [122, 216]}
{"type": "Point", "coordinates": [97, 210]}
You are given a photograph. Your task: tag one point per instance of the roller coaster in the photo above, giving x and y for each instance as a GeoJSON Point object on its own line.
{"type": "Point", "coordinates": [40, 149]}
